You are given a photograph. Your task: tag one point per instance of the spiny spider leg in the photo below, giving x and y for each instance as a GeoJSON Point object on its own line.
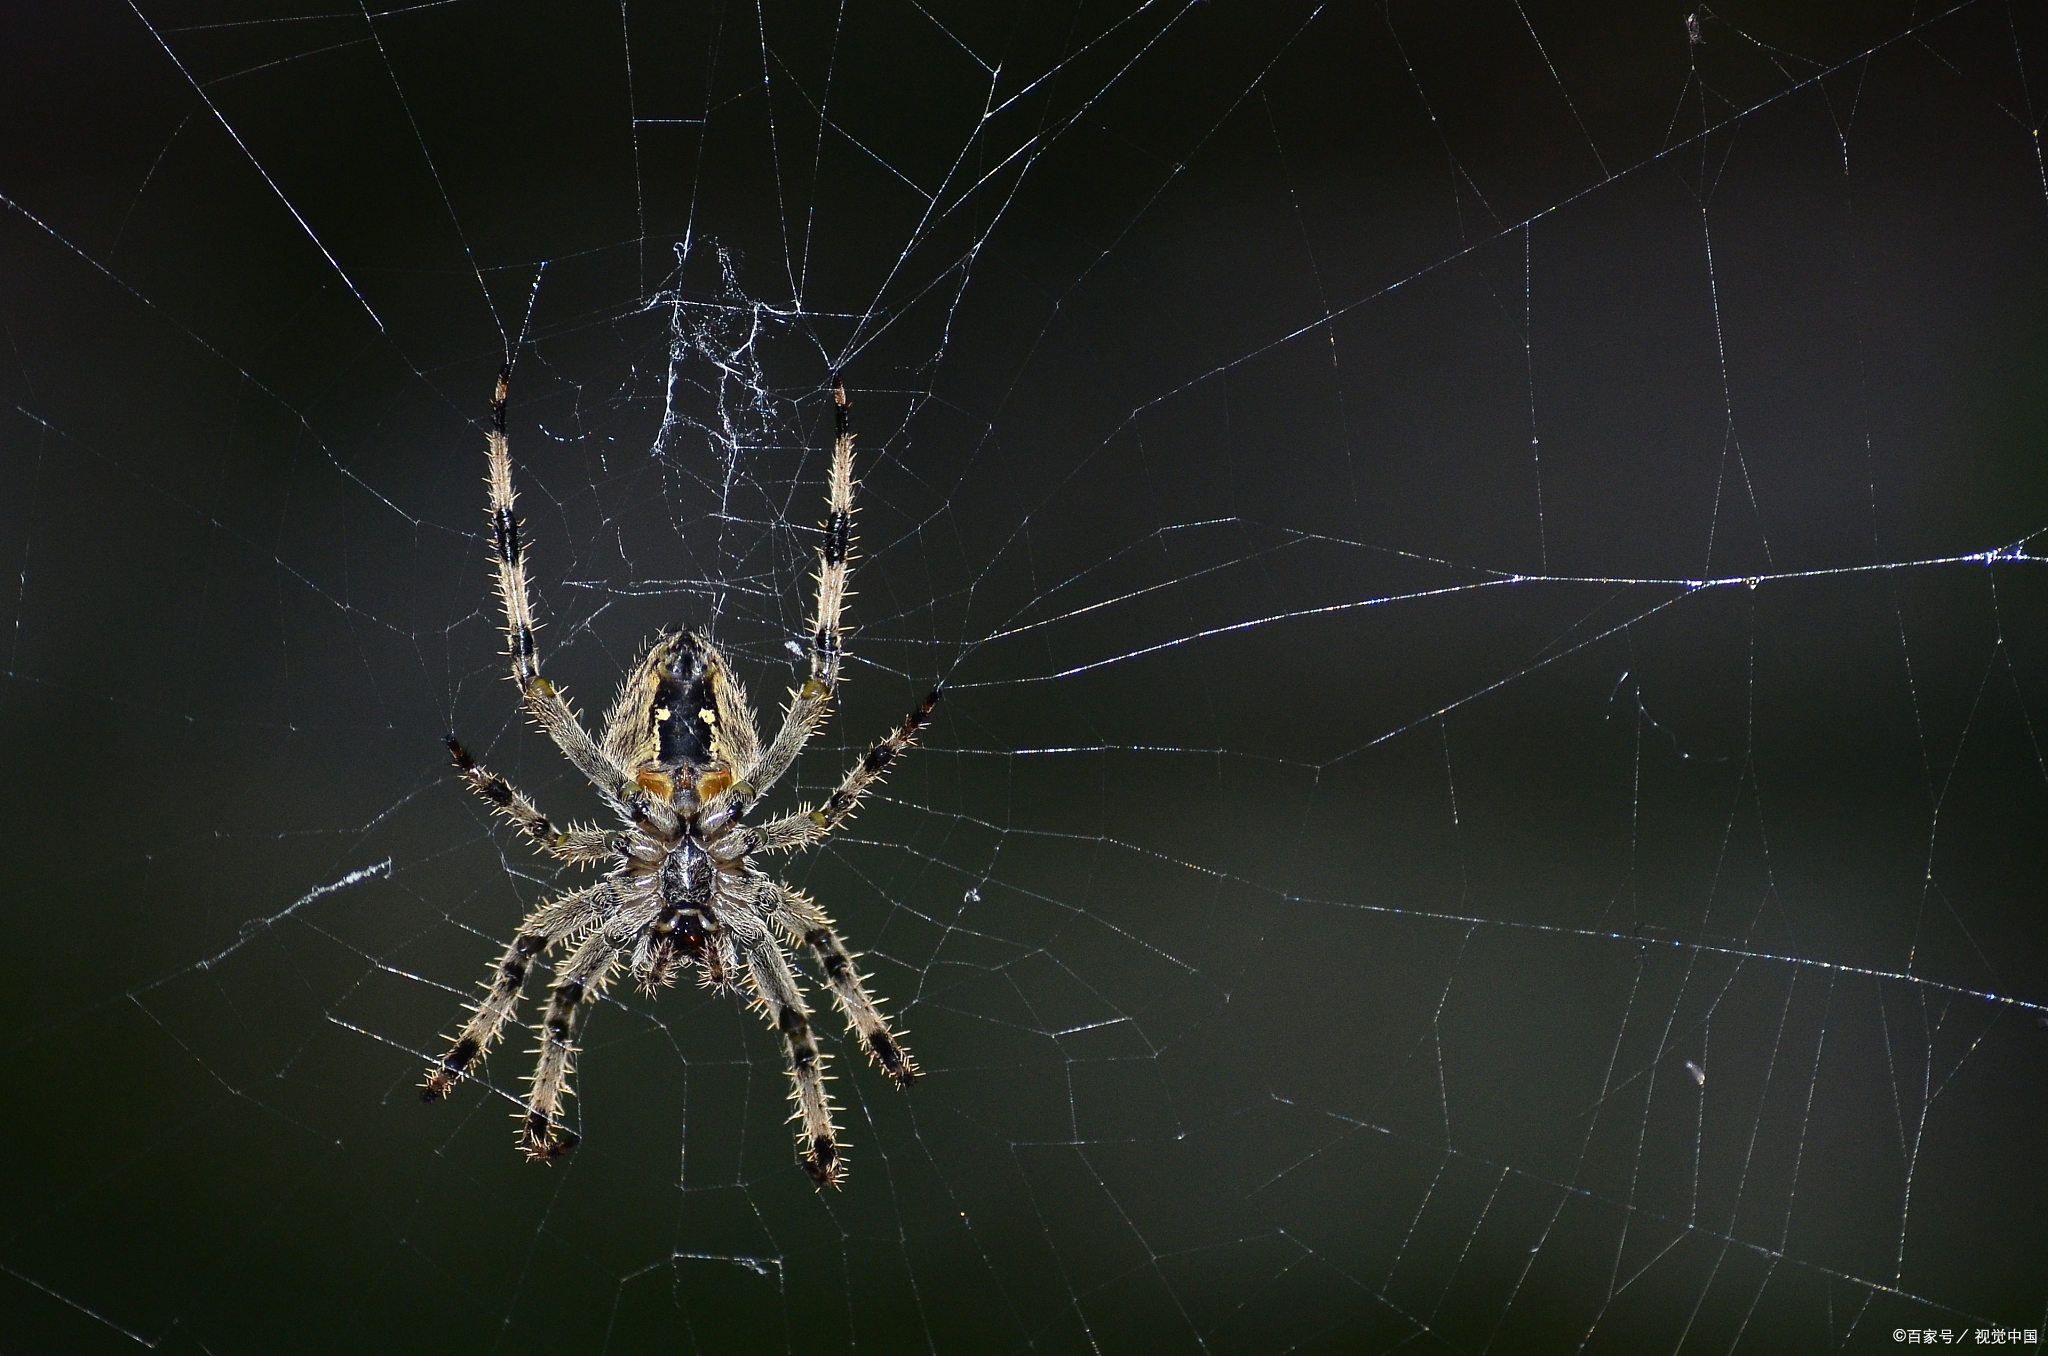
{"type": "Point", "coordinates": [580, 979]}
{"type": "Point", "coordinates": [775, 986]}
{"type": "Point", "coordinates": [543, 927]}
{"type": "Point", "coordinates": [577, 843]}
{"type": "Point", "coordinates": [543, 700]}
{"type": "Point", "coordinates": [836, 554]}
{"type": "Point", "coordinates": [809, 826]}
{"type": "Point", "coordinates": [811, 702]}
{"type": "Point", "coordinates": [849, 987]}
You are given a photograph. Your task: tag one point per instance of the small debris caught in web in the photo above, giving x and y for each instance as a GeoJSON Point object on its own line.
{"type": "Point", "coordinates": [1699, 1075]}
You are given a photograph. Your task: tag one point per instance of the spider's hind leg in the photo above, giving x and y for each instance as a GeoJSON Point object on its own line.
{"type": "Point", "coordinates": [543, 700]}
{"type": "Point", "coordinates": [810, 703]}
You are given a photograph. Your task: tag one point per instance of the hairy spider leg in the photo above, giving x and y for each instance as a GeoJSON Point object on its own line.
{"type": "Point", "coordinates": [809, 704]}
{"type": "Point", "coordinates": [775, 986]}
{"type": "Point", "coordinates": [849, 988]}
{"type": "Point", "coordinates": [579, 843]}
{"type": "Point", "coordinates": [836, 555]}
{"type": "Point", "coordinates": [543, 927]}
{"type": "Point", "coordinates": [580, 980]}
{"type": "Point", "coordinates": [809, 826]}
{"type": "Point", "coordinates": [543, 700]}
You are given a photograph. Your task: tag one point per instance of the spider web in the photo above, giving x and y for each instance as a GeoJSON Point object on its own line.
{"type": "Point", "coordinates": [1485, 563]}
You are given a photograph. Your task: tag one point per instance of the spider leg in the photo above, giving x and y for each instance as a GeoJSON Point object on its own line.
{"type": "Point", "coordinates": [809, 704]}
{"type": "Point", "coordinates": [793, 910]}
{"type": "Point", "coordinates": [808, 826]}
{"type": "Point", "coordinates": [543, 699]}
{"type": "Point", "coordinates": [775, 986]}
{"type": "Point", "coordinates": [580, 979]}
{"type": "Point", "coordinates": [542, 929]}
{"type": "Point", "coordinates": [575, 843]}
{"type": "Point", "coordinates": [849, 987]}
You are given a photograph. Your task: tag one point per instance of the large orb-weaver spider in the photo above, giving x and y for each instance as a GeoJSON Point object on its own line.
{"type": "Point", "coordinates": [681, 764]}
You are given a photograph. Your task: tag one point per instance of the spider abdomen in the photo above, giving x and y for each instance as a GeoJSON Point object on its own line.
{"type": "Point", "coordinates": [684, 708]}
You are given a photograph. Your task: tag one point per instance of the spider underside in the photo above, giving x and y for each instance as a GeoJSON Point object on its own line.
{"type": "Point", "coordinates": [680, 763]}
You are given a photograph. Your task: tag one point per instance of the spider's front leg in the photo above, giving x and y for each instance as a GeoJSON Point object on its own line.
{"type": "Point", "coordinates": [849, 986]}
{"type": "Point", "coordinates": [580, 980]}
{"type": "Point", "coordinates": [542, 929]}
{"type": "Point", "coordinates": [796, 916]}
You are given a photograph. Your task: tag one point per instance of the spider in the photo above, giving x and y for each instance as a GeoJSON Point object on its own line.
{"type": "Point", "coordinates": [681, 764]}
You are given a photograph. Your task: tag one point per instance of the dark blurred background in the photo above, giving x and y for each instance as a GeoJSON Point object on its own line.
{"type": "Point", "coordinates": [1479, 807]}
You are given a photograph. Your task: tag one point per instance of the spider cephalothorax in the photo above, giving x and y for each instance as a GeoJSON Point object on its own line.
{"type": "Point", "coordinates": [681, 764]}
